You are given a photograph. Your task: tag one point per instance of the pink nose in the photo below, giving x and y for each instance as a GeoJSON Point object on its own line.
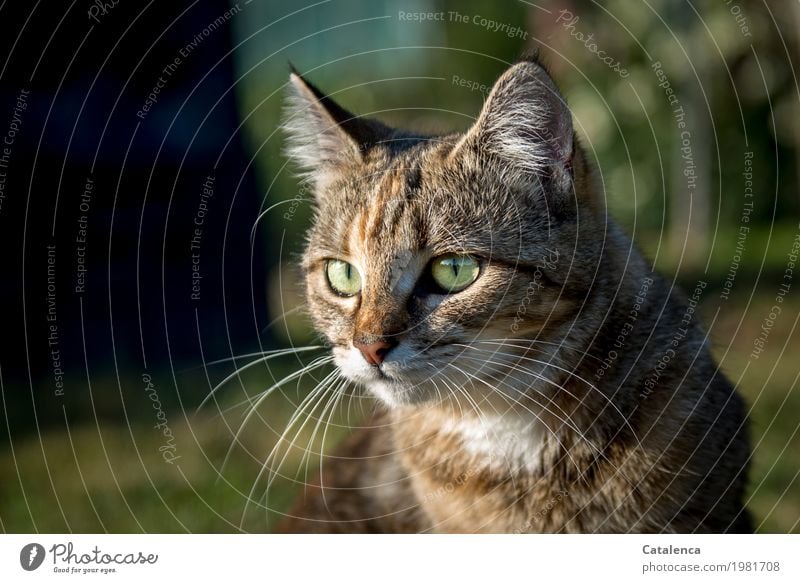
{"type": "Point", "coordinates": [374, 352]}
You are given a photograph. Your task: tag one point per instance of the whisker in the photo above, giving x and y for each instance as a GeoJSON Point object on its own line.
{"type": "Point", "coordinates": [270, 355]}
{"type": "Point", "coordinates": [275, 470]}
{"type": "Point", "coordinates": [494, 391]}
{"type": "Point", "coordinates": [535, 343]}
{"type": "Point", "coordinates": [270, 208]}
{"type": "Point", "coordinates": [574, 375]}
{"type": "Point", "coordinates": [565, 420]}
{"type": "Point", "coordinates": [477, 409]}
{"type": "Point", "coordinates": [324, 418]}
{"type": "Point", "coordinates": [311, 398]}
{"type": "Point", "coordinates": [318, 391]}
{"type": "Point", "coordinates": [265, 394]}
{"type": "Point", "coordinates": [581, 401]}
{"type": "Point", "coordinates": [617, 469]}
{"type": "Point", "coordinates": [564, 423]}
{"type": "Point", "coordinates": [438, 371]}
{"type": "Point", "coordinates": [278, 351]}
{"type": "Point", "coordinates": [283, 316]}
{"type": "Point", "coordinates": [536, 416]}
{"type": "Point", "coordinates": [340, 391]}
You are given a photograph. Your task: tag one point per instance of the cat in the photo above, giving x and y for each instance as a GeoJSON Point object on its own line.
{"type": "Point", "coordinates": [533, 373]}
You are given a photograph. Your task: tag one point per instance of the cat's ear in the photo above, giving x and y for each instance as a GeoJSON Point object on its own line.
{"type": "Point", "coordinates": [526, 125]}
{"type": "Point", "coordinates": [322, 135]}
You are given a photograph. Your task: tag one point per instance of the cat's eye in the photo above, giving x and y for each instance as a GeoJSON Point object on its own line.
{"type": "Point", "coordinates": [343, 278]}
{"type": "Point", "coordinates": [453, 272]}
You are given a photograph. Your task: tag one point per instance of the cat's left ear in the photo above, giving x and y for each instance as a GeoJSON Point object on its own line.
{"type": "Point", "coordinates": [525, 125]}
{"type": "Point", "coordinates": [322, 135]}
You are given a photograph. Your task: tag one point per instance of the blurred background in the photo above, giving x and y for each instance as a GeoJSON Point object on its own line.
{"type": "Point", "coordinates": [149, 224]}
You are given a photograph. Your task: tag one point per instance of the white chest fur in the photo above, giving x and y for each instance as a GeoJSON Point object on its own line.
{"type": "Point", "coordinates": [510, 443]}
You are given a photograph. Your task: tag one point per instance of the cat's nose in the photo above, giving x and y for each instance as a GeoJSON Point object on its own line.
{"type": "Point", "coordinates": [375, 352]}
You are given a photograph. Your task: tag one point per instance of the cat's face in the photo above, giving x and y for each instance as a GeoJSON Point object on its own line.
{"type": "Point", "coordinates": [426, 253]}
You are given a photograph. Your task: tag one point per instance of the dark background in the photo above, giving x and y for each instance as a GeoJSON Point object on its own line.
{"type": "Point", "coordinates": [87, 81]}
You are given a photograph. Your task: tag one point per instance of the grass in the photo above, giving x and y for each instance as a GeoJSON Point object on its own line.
{"type": "Point", "coordinates": [111, 476]}
{"type": "Point", "coordinates": [771, 385]}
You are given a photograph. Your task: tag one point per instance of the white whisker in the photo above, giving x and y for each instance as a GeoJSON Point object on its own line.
{"type": "Point", "coordinates": [264, 357]}
{"type": "Point", "coordinates": [265, 394]}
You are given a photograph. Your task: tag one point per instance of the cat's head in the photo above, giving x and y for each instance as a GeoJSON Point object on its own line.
{"type": "Point", "coordinates": [426, 251]}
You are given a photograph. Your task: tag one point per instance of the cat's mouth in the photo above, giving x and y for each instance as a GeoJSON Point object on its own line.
{"type": "Point", "coordinates": [393, 369]}
{"type": "Point", "coordinates": [402, 378]}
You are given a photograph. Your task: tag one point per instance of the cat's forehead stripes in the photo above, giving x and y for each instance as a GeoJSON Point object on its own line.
{"type": "Point", "coordinates": [386, 217]}
{"type": "Point", "coordinates": [388, 233]}
{"type": "Point", "coordinates": [383, 209]}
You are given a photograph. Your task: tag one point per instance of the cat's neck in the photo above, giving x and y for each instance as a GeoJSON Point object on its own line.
{"type": "Point", "coordinates": [501, 442]}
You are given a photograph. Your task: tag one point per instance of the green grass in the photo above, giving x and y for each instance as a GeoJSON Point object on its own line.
{"type": "Point", "coordinates": [771, 386]}
{"type": "Point", "coordinates": [112, 477]}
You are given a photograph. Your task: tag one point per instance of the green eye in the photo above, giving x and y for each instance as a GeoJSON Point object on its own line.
{"type": "Point", "coordinates": [343, 277]}
{"type": "Point", "coordinates": [454, 273]}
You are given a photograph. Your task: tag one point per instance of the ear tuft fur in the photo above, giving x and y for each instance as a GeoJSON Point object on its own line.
{"type": "Point", "coordinates": [525, 122]}
{"type": "Point", "coordinates": [314, 138]}
{"type": "Point", "coordinates": [320, 133]}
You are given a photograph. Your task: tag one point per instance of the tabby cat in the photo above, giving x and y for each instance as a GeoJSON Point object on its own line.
{"type": "Point", "coordinates": [533, 373]}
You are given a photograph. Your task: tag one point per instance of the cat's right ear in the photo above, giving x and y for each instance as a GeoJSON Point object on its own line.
{"type": "Point", "coordinates": [322, 136]}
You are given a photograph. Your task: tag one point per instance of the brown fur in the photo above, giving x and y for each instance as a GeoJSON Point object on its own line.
{"type": "Point", "coordinates": [499, 418]}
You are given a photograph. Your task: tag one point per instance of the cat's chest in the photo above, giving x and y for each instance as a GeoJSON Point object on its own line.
{"type": "Point", "coordinates": [487, 475]}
